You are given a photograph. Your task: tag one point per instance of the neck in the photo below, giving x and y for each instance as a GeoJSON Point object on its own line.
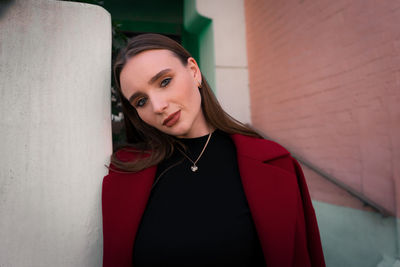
{"type": "Point", "coordinates": [200, 128]}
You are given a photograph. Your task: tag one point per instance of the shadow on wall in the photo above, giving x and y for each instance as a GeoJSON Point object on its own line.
{"type": "Point", "coordinates": [4, 6]}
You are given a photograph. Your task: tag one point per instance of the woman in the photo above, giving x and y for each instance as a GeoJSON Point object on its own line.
{"type": "Point", "coordinates": [197, 188]}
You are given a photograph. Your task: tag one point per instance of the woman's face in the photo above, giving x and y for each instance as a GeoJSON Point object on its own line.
{"type": "Point", "coordinates": [165, 92]}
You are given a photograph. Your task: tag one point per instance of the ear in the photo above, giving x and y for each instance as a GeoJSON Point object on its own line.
{"type": "Point", "coordinates": [195, 70]}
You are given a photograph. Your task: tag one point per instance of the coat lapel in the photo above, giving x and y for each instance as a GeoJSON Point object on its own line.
{"type": "Point", "coordinates": [272, 194]}
{"type": "Point", "coordinates": [124, 200]}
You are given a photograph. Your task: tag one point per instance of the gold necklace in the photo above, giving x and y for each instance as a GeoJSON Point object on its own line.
{"type": "Point", "coordinates": [194, 167]}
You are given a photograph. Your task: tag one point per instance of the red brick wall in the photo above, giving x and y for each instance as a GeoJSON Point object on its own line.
{"type": "Point", "coordinates": [325, 83]}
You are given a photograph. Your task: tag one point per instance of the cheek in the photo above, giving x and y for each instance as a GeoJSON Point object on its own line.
{"type": "Point", "coordinates": [192, 96]}
{"type": "Point", "coordinates": [146, 116]}
{"type": "Point", "coordinates": [195, 99]}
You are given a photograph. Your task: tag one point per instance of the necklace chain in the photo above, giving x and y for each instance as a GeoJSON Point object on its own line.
{"type": "Point", "coordinates": [194, 167]}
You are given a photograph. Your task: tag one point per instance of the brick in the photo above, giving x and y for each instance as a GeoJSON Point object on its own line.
{"type": "Point", "coordinates": [324, 76]}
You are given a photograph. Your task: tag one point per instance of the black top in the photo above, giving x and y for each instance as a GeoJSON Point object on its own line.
{"type": "Point", "coordinates": [199, 218]}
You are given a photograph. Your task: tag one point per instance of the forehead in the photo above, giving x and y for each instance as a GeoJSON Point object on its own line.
{"type": "Point", "coordinates": [145, 64]}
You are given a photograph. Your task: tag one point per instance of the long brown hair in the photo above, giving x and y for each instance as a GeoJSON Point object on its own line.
{"type": "Point", "coordinates": [153, 145]}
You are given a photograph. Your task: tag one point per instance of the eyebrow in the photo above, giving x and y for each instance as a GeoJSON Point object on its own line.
{"type": "Point", "coordinates": [134, 96]}
{"type": "Point", "coordinates": [158, 75]}
{"type": "Point", "coordinates": [151, 81]}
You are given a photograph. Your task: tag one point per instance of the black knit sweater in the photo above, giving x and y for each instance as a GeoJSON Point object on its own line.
{"type": "Point", "coordinates": [199, 218]}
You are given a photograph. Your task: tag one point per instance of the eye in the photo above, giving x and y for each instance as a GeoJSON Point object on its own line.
{"type": "Point", "coordinates": [165, 82]}
{"type": "Point", "coordinates": [141, 102]}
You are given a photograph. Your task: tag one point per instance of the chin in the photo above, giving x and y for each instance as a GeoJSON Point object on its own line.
{"type": "Point", "coordinates": [172, 131]}
{"type": "Point", "coordinates": [179, 131]}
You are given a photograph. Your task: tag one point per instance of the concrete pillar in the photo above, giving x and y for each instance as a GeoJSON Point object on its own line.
{"type": "Point", "coordinates": [55, 131]}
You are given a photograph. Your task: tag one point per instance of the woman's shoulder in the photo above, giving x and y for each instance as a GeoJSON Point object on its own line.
{"type": "Point", "coordinates": [267, 151]}
{"type": "Point", "coordinates": [125, 155]}
{"type": "Point", "coordinates": [260, 147]}
{"type": "Point", "coordinates": [258, 140]}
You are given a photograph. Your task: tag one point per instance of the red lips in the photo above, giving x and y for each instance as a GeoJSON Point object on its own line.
{"type": "Point", "coordinates": [172, 119]}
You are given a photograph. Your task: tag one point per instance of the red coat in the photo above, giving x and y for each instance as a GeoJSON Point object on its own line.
{"type": "Point", "coordinates": [275, 189]}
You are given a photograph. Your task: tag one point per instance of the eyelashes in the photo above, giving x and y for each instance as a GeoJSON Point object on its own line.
{"type": "Point", "coordinates": [141, 101]}
{"type": "Point", "coordinates": [165, 82]}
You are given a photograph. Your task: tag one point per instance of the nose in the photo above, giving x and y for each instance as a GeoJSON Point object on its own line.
{"type": "Point", "coordinates": [159, 104]}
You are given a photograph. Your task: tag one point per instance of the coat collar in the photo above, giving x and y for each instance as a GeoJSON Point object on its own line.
{"type": "Point", "coordinates": [258, 149]}
{"type": "Point", "coordinates": [255, 148]}
{"type": "Point", "coordinates": [271, 191]}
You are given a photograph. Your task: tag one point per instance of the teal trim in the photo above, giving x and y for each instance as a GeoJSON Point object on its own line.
{"type": "Point", "coordinates": [198, 39]}
{"type": "Point", "coordinates": [354, 238]}
{"type": "Point", "coordinates": [398, 237]}
{"type": "Point", "coordinates": [192, 20]}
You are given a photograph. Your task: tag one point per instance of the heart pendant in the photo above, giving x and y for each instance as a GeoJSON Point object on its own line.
{"type": "Point", "coordinates": [194, 168]}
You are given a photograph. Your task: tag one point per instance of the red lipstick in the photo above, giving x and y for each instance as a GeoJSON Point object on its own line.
{"type": "Point", "coordinates": [172, 119]}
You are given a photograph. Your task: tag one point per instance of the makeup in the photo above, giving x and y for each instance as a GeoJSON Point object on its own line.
{"type": "Point", "coordinates": [172, 119]}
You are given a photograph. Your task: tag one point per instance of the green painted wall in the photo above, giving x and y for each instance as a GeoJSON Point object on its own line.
{"type": "Point", "coordinates": [198, 38]}
{"type": "Point", "coordinates": [165, 17]}
{"type": "Point", "coordinates": [178, 19]}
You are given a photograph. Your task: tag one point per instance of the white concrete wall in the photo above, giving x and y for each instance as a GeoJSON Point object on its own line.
{"type": "Point", "coordinates": [55, 131]}
{"type": "Point", "coordinates": [230, 54]}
